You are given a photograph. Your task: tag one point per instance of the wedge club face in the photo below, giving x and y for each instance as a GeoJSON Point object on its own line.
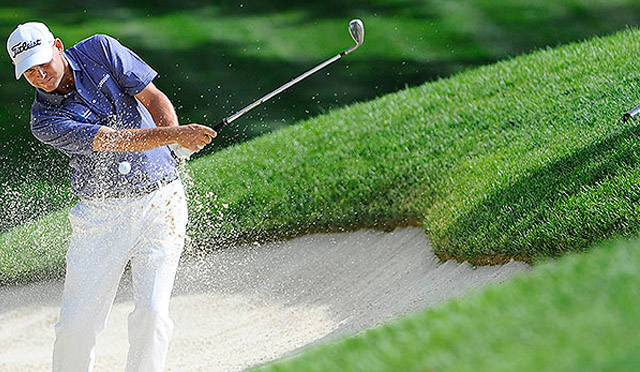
{"type": "Point", "coordinates": [356, 29]}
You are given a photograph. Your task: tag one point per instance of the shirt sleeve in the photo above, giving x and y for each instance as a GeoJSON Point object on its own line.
{"type": "Point", "coordinates": [69, 136]}
{"type": "Point", "coordinates": [128, 69]}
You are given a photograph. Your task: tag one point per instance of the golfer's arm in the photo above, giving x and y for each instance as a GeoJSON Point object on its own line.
{"type": "Point", "coordinates": [133, 140]}
{"type": "Point", "coordinates": [191, 136]}
{"type": "Point", "coordinates": [158, 105]}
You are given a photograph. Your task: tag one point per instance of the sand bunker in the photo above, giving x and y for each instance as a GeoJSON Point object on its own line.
{"type": "Point", "coordinates": [249, 305]}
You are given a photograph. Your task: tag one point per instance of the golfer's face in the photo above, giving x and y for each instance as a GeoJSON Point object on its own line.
{"type": "Point", "coordinates": [48, 75]}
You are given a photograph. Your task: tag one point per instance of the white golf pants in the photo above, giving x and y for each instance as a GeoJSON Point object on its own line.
{"type": "Point", "coordinates": [149, 231]}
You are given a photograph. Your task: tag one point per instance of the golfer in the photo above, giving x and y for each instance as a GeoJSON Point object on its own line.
{"type": "Point", "coordinates": [96, 103]}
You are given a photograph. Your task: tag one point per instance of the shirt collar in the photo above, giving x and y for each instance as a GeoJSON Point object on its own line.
{"type": "Point", "coordinates": [72, 62]}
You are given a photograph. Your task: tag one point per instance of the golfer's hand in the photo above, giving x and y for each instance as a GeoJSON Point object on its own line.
{"type": "Point", "coordinates": [194, 137]}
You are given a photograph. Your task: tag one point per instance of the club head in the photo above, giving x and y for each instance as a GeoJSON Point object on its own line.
{"type": "Point", "coordinates": [356, 29]}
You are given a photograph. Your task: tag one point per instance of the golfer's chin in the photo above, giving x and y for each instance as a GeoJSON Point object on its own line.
{"type": "Point", "coordinates": [49, 87]}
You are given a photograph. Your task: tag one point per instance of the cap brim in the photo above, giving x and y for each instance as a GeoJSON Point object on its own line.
{"type": "Point", "coordinates": [45, 55]}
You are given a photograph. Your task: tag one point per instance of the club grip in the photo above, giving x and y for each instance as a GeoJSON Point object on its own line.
{"type": "Point", "coordinates": [631, 114]}
{"type": "Point", "coordinates": [220, 125]}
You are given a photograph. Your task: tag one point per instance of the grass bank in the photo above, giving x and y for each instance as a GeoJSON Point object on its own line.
{"type": "Point", "coordinates": [527, 158]}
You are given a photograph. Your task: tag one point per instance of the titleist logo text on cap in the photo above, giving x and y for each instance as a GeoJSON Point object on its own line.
{"type": "Point", "coordinates": [24, 46]}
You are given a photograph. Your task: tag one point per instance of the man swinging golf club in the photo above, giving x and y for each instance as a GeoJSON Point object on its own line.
{"type": "Point", "coordinates": [97, 104]}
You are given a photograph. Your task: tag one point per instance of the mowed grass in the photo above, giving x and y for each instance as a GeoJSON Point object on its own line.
{"type": "Point", "coordinates": [523, 159]}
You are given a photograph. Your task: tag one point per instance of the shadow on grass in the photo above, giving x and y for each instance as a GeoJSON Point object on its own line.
{"type": "Point", "coordinates": [314, 9]}
{"type": "Point", "coordinates": [591, 195]}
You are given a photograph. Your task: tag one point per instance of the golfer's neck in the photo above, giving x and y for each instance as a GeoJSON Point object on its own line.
{"type": "Point", "coordinates": [67, 84]}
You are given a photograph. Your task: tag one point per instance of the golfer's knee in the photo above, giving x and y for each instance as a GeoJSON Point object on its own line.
{"type": "Point", "coordinates": [151, 316]}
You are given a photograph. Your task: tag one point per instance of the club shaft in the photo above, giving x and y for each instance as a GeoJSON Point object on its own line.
{"type": "Point", "coordinates": [282, 88]}
{"type": "Point", "coordinates": [631, 113]}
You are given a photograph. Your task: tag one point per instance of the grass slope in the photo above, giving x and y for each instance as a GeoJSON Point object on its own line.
{"type": "Point", "coordinates": [526, 158]}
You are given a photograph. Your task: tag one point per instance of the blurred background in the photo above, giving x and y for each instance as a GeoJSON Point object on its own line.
{"type": "Point", "coordinates": [214, 58]}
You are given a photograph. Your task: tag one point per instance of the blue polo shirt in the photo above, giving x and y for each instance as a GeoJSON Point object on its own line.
{"type": "Point", "coordinates": [107, 76]}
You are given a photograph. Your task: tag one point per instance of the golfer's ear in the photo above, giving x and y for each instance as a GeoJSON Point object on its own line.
{"type": "Point", "coordinates": [58, 44]}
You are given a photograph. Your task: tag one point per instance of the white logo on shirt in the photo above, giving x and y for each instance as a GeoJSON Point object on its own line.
{"type": "Point", "coordinates": [104, 80]}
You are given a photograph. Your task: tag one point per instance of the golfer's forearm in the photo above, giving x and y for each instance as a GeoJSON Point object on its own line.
{"type": "Point", "coordinates": [133, 140]}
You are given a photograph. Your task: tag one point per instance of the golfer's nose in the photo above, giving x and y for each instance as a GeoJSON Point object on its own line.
{"type": "Point", "coordinates": [41, 72]}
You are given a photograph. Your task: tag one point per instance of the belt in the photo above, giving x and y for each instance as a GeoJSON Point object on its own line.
{"type": "Point", "coordinates": [137, 192]}
{"type": "Point", "coordinates": [148, 189]}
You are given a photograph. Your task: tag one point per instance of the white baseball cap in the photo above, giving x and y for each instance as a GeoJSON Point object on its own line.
{"type": "Point", "coordinates": [30, 44]}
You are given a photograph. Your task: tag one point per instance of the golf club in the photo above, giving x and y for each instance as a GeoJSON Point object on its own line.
{"type": "Point", "coordinates": [631, 114]}
{"type": "Point", "coordinates": [356, 30]}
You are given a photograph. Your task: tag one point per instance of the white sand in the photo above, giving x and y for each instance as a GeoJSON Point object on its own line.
{"type": "Point", "coordinates": [248, 305]}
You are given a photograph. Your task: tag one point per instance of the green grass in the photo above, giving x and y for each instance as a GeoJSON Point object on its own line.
{"type": "Point", "coordinates": [576, 314]}
{"type": "Point", "coordinates": [215, 58]}
{"type": "Point", "coordinates": [526, 158]}
{"type": "Point", "coordinates": [35, 250]}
